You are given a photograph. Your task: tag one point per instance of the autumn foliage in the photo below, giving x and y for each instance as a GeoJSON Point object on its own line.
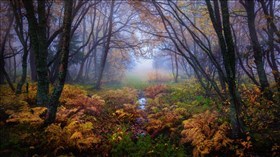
{"type": "Point", "coordinates": [111, 122]}
{"type": "Point", "coordinates": [206, 134]}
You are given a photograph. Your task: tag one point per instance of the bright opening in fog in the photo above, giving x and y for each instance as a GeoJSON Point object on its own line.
{"type": "Point", "coordinates": [141, 69]}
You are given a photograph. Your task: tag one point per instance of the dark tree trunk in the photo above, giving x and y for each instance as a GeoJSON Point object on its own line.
{"type": "Point", "coordinates": [33, 71]}
{"type": "Point", "coordinates": [15, 69]}
{"type": "Point", "coordinates": [223, 31]}
{"type": "Point", "coordinates": [2, 66]}
{"type": "Point", "coordinates": [258, 53]}
{"type": "Point", "coordinates": [24, 71]}
{"type": "Point", "coordinates": [63, 65]}
{"type": "Point", "coordinates": [37, 31]}
{"type": "Point", "coordinates": [54, 69]}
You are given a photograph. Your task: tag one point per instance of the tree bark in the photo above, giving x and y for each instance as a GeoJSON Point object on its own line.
{"type": "Point", "coordinates": [32, 64]}
{"type": "Point", "coordinates": [37, 31]}
{"type": "Point", "coordinates": [223, 31]}
{"type": "Point", "coordinates": [258, 53]}
{"type": "Point", "coordinates": [63, 65]}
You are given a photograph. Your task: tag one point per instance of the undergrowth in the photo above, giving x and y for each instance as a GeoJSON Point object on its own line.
{"type": "Point", "coordinates": [178, 120]}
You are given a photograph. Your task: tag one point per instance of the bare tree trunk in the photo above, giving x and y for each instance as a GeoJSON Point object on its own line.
{"type": "Point", "coordinates": [223, 31]}
{"type": "Point", "coordinates": [15, 69]}
{"type": "Point", "coordinates": [107, 47]}
{"type": "Point", "coordinates": [32, 64]}
{"type": "Point", "coordinates": [63, 65]}
{"type": "Point", "coordinates": [37, 31]}
{"type": "Point", "coordinates": [24, 71]}
{"type": "Point", "coordinates": [258, 53]}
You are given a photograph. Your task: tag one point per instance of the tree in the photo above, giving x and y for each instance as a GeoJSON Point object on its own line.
{"type": "Point", "coordinates": [177, 32]}
{"type": "Point", "coordinates": [258, 53]}
{"type": "Point", "coordinates": [3, 41]}
{"type": "Point", "coordinates": [271, 31]}
{"type": "Point", "coordinates": [23, 38]}
{"type": "Point", "coordinates": [37, 30]}
{"type": "Point", "coordinates": [222, 28]}
{"type": "Point", "coordinates": [177, 24]}
{"type": "Point", "coordinates": [63, 65]}
{"type": "Point", "coordinates": [107, 47]}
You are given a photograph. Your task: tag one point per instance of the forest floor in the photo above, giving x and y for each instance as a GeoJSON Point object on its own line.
{"type": "Point", "coordinates": [154, 120]}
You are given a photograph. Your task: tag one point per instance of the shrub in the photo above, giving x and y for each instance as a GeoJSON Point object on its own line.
{"type": "Point", "coordinates": [206, 133]}
{"type": "Point", "coordinates": [75, 136]}
{"type": "Point", "coordinates": [261, 116]}
{"type": "Point", "coordinates": [153, 91]}
{"type": "Point", "coordinates": [129, 113]}
{"type": "Point", "coordinates": [164, 118]}
{"type": "Point", "coordinates": [116, 98]}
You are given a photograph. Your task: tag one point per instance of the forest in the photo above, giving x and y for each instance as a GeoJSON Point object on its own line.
{"type": "Point", "coordinates": [139, 78]}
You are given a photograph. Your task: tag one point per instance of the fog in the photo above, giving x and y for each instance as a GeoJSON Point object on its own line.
{"type": "Point", "coordinates": [141, 69]}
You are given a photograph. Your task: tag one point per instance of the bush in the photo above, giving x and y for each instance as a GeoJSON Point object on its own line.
{"type": "Point", "coordinates": [153, 91]}
{"type": "Point", "coordinates": [74, 136]}
{"type": "Point", "coordinates": [261, 117]}
{"type": "Point", "coordinates": [206, 133]}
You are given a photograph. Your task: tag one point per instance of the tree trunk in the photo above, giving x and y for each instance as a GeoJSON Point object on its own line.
{"type": "Point", "coordinates": [63, 65]}
{"type": "Point", "coordinates": [223, 31]}
{"type": "Point", "coordinates": [37, 31]}
{"type": "Point", "coordinates": [2, 66]}
{"type": "Point", "coordinates": [258, 53]}
{"type": "Point", "coordinates": [107, 47]}
{"type": "Point", "coordinates": [33, 71]}
{"type": "Point", "coordinates": [176, 69]}
{"type": "Point", "coordinates": [24, 71]}
{"type": "Point", "coordinates": [15, 68]}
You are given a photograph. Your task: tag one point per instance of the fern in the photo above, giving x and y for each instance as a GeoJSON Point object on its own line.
{"type": "Point", "coordinates": [205, 133]}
